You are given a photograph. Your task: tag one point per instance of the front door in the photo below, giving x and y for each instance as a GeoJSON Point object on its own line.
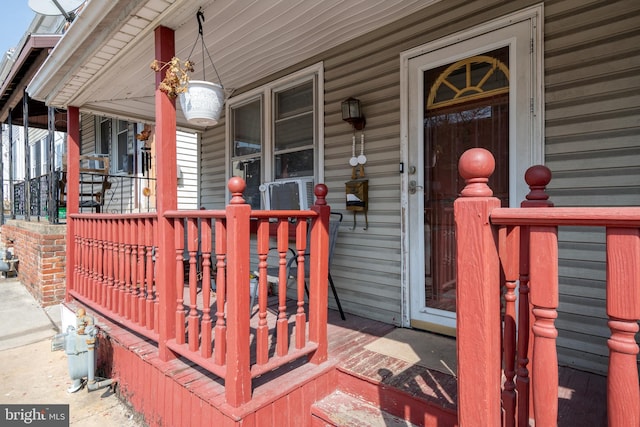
{"type": "Point", "coordinates": [474, 93]}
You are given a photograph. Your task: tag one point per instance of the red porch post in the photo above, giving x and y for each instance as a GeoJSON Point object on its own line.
{"type": "Point", "coordinates": [478, 295]}
{"type": "Point", "coordinates": [167, 195]}
{"type": "Point", "coordinates": [238, 379]}
{"type": "Point", "coordinates": [73, 191]}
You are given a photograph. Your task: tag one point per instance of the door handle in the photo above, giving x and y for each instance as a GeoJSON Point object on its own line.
{"type": "Point", "coordinates": [413, 187]}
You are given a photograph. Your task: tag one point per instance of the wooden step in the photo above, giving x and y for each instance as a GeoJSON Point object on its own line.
{"type": "Point", "coordinates": [344, 410]}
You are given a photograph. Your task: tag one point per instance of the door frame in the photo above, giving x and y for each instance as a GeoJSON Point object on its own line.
{"type": "Point", "coordinates": [529, 153]}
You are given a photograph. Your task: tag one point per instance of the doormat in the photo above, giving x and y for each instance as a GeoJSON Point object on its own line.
{"type": "Point", "coordinates": [421, 348]}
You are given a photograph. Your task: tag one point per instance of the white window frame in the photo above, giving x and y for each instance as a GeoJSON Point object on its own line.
{"type": "Point", "coordinates": [266, 94]}
{"type": "Point", "coordinates": [112, 151]}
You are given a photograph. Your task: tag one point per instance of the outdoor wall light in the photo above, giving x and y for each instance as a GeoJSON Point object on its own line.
{"type": "Point", "coordinates": [352, 113]}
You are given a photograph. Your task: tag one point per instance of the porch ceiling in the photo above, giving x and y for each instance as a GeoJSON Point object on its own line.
{"type": "Point", "coordinates": [102, 64]}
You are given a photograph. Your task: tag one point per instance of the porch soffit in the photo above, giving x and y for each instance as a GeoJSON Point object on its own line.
{"type": "Point", "coordinates": [103, 66]}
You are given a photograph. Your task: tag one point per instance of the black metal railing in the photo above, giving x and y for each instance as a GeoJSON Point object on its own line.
{"type": "Point", "coordinates": [99, 193]}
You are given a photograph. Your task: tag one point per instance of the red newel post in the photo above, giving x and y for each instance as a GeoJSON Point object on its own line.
{"type": "Point", "coordinates": [318, 275]}
{"type": "Point", "coordinates": [537, 178]}
{"type": "Point", "coordinates": [238, 214]}
{"type": "Point", "coordinates": [478, 295]}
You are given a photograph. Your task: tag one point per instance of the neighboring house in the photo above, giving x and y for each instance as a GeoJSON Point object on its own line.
{"type": "Point", "coordinates": [535, 82]}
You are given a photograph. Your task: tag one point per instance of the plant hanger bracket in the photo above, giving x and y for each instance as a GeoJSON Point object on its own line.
{"type": "Point", "coordinates": [200, 18]}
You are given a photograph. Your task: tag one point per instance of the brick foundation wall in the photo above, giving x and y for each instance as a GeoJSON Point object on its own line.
{"type": "Point", "coordinates": [41, 249]}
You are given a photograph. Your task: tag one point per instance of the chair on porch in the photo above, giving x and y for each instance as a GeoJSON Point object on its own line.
{"type": "Point", "coordinates": [292, 264]}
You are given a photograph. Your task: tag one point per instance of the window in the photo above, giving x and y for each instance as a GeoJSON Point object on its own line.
{"type": "Point", "coordinates": [104, 141]}
{"type": "Point", "coordinates": [120, 153]}
{"type": "Point", "coordinates": [112, 138]}
{"type": "Point", "coordinates": [274, 132]}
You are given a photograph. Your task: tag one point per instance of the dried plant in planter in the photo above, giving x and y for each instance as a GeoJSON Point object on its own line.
{"type": "Point", "coordinates": [176, 78]}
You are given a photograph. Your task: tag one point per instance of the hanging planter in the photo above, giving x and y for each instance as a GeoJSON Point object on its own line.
{"type": "Point", "coordinates": [202, 102]}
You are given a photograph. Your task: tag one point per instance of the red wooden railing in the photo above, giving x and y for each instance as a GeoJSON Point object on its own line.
{"type": "Point", "coordinates": [115, 274]}
{"type": "Point", "coordinates": [114, 268]}
{"type": "Point", "coordinates": [523, 242]}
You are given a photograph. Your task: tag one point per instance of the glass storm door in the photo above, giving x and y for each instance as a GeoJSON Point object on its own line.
{"type": "Point", "coordinates": [460, 97]}
{"type": "Point", "coordinates": [466, 106]}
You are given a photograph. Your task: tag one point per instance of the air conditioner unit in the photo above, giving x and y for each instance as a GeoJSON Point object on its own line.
{"type": "Point", "coordinates": [288, 194]}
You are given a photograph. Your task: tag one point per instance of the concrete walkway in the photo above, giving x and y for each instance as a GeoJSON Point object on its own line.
{"type": "Point", "coordinates": [31, 374]}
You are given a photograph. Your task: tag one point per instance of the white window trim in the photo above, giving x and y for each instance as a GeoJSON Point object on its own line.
{"type": "Point", "coordinates": [112, 151]}
{"type": "Point", "coordinates": [266, 93]}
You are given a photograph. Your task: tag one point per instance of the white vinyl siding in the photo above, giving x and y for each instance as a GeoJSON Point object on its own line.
{"type": "Point", "coordinates": [187, 153]}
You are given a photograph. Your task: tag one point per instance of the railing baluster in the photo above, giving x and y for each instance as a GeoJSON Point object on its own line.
{"type": "Point", "coordinates": [116, 265]}
{"type": "Point", "coordinates": [220, 331]}
{"type": "Point", "coordinates": [86, 243]}
{"type": "Point", "coordinates": [150, 301]}
{"type": "Point", "coordinates": [133, 257]}
{"type": "Point", "coordinates": [262, 333]}
{"type": "Point", "coordinates": [509, 254]}
{"type": "Point", "coordinates": [623, 309]}
{"type": "Point", "coordinates": [178, 226]}
{"type": "Point", "coordinates": [301, 319]}
{"type": "Point", "coordinates": [156, 289]}
{"type": "Point", "coordinates": [82, 256]}
{"type": "Point", "coordinates": [77, 261]}
{"type": "Point", "coordinates": [543, 261]}
{"type": "Point", "coordinates": [102, 290]}
{"type": "Point", "coordinates": [194, 319]}
{"type": "Point", "coordinates": [522, 379]}
{"type": "Point", "coordinates": [127, 267]}
{"type": "Point", "coordinates": [282, 325]}
{"type": "Point", "coordinates": [94, 261]}
{"type": "Point", "coordinates": [121, 271]}
{"type": "Point", "coordinates": [109, 262]}
{"type": "Point", "coordinates": [205, 239]}
{"type": "Point", "coordinates": [97, 285]}
{"type": "Point", "coordinates": [142, 319]}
